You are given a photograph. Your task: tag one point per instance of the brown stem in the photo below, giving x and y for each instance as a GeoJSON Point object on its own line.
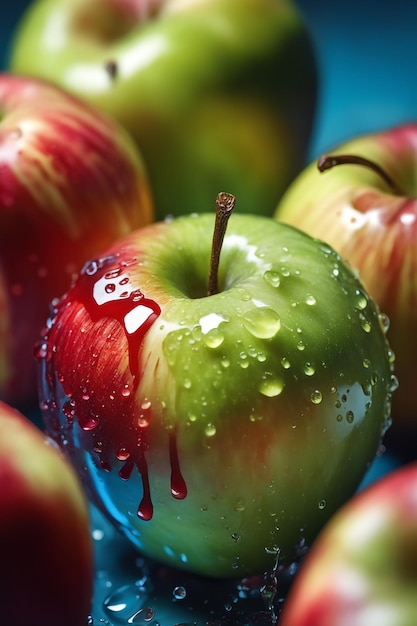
{"type": "Point", "coordinates": [327, 162]}
{"type": "Point", "coordinates": [225, 203]}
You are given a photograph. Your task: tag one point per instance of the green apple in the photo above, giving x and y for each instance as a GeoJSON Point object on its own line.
{"type": "Point", "coordinates": [218, 93]}
{"type": "Point", "coordinates": [366, 208]}
{"type": "Point", "coordinates": [217, 430]}
{"type": "Point", "coordinates": [71, 182]}
{"type": "Point", "coordinates": [45, 542]}
{"type": "Point", "coordinates": [363, 568]}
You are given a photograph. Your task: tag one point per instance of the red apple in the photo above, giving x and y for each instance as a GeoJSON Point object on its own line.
{"type": "Point", "coordinates": [367, 210]}
{"type": "Point", "coordinates": [71, 181]}
{"type": "Point", "coordinates": [45, 543]}
{"type": "Point", "coordinates": [362, 570]}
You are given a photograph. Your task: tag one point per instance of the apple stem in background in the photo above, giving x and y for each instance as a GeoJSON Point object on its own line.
{"type": "Point", "coordinates": [327, 162]}
{"type": "Point", "coordinates": [225, 203]}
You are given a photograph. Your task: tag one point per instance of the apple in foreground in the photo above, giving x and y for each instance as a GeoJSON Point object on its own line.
{"type": "Point", "coordinates": [45, 543]}
{"type": "Point", "coordinates": [71, 181]}
{"type": "Point", "coordinates": [218, 93]}
{"type": "Point", "coordinates": [363, 567]}
{"type": "Point", "coordinates": [217, 416]}
{"type": "Point", "coordinates": [366, 208]}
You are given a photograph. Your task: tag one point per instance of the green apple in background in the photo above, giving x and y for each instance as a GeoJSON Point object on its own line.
{"type": "Point", "coordinates": [217, 425]}
{"type": "Point", "coordinates": [45, 543]}
{"type": "Point", "coordinates": [366, 208]}
{"type": "Point", "coordinates": [363, 568]}
{"type": "Point", "coordinates": [217, 93]}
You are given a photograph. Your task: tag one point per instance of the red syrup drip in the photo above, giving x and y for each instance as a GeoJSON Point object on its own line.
{"type": "Point", "coordinates": [178, 486]}
{"type": "Point", "coordinates": [104, 289]}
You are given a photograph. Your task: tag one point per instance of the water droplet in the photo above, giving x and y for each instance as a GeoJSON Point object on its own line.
{"type": "Point", "coordinates": [384, 322]}
{"type": "Point", "coordinates": [316, 396]}
{"type": "Point", "coordinates": [300, 345]}
{"type": "Point", "coordinates": [179, 593]}
{"type": "Point", "coordinates": [271, 387]}
{"type": "Point", "coordinates": [366, 363]}
{"type": "Point", "coordinates": [361, 300]}
{"type": "Point", "coordinates": [285, 363]}
{"type": "Point", "coordinates": [339, 417]}
{"type": "Point", "coordinates": [210, 430]}
{"type": "Point", "coordinates": [350, 417]}
{"type": "Point", "coordinates": [272, 278]}
{"type": "Point", "coordinates": [309, 369]}
{"type": "Point", "coordinates": [310, 300]}
{"type": "Point", "coordinates": [365, 323]}
{"type": "Point", "coordinates": [122, 454]}
{"type": "Point", "coordinates": [239, 505]}
{"type": "Point", "coordinates": [187, 383]}
{"type": "Point", "coordinates": [214, 338]}
{"type": "Point", "coordinates": [262, 322]}
{"type": "Point", "coordinates": [235, 537]}
{"type": "Point", "coordinates": [322, 504]}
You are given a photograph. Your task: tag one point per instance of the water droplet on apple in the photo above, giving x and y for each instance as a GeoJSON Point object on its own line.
{"type": "Point", "coordinates": [310, 300]}
{"type": "Point", "coordinates": [300, 345]}
{"type": "Point", "coordinates": [384, 322]}
{"type": "Point", "coordinates": [210, 430]}
{"type": "Point", "coordinates": [214, 338]}
{"type": "Point", "coordinates": [285, 363]}
{"type": "Point", "coordinates": [309, 369]}
{"type": "Point", "coordinates": [272, 278]}
{"type": "Point", "coordinates": [361, 300]}
{"type": "Point", "coordinates": [262, 322]}
{"type": "Point", "coordinates": [316, 396]}
{"type": "Point", "coordinates": [322, 504]}
{"type": "Point", "coordinates": [271, 387]}
{"type": "Point", "coordinates": [365, 323]}
{"type": "Point", "coordinates": [350, 417]}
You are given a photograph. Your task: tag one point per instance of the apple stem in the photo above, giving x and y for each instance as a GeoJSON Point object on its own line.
{"type": "Point", "coordinates": [225, 203]}
{"type": "Point", "coordinates": [327, 162]}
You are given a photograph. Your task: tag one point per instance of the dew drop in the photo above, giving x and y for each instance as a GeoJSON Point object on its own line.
{"type": "Point", "coordinates": [300, 345]}
{"type": "Point", "coordinates": [365, 323]}
{"type": "Point", "coordinates": [310, 300]}
{"type": "Point", "coordinates": [272, 278]}
{"type": "Point", "coordinates": [316, 396]}
{"type": "Point", "coordinates": [214, 338]}
{"type": "Point", "coordinates": [239, 505]}
{"type": "Point", "coordinates": [361, 300]}
{"type": "Point", "coordinates": [271, 387]}
{"type": "Point", "coordinates": [322, 504]}
{"type": "Point", "coordinates": [309, 369]}
{"type": "Point", "coordinates": [262, 322]}
{"type": "Point", "coordinates": [384, 322]}
{"type": "Point", "coordinates": [350, 417]}
{"type": "Point", "coordinates": [122, 454]}
{"type": "Point", "coordinates": [210, 430]}
{"type": "Point", "coordinates": [285, 363]}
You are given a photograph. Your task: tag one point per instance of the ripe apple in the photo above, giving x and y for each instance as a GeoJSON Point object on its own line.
{"type": "Point", "coordinates": [71, 181]}
{"type": "Point", "coordinates": [45, 543]}
{"type": "Point", "coordinates": [218, 93]}
{"type": "Point", "coordinates": [367, 210]}
{"type": "Point", "coordinates": [363, 567]}
{"type": "Point", "coordinates": [215, 430]}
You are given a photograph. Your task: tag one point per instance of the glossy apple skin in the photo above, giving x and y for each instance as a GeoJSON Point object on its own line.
{"type": "Point", "coordinates": [45, 543]}
{"type": "Point", "coordinates": [363, 567]}
{"type": "Point", "coordinates": [219, 94]}
{"type": "Point", "coordinates": [375, 230]}
{"type": "Point", "coordinates": [214, 430]}
{"type": "Point", "coordinates": [71, 182]}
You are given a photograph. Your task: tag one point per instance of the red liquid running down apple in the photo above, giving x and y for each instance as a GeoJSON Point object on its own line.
{"type": "Point", "coordinates": [104, 292]}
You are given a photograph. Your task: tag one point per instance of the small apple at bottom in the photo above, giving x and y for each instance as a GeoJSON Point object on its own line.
{"type": "Point", "coordinates": [362, 570]}
{"type": "Point", "coordinates": [366, 208]}
{"type": "Point", "coordinates": [45, 543]}
{"type": "Point", "coordinates": [71, 181]}
{"type": "Point", "coordinates": [219, 94]}
{"type": "Point", "coordinates": [218, 416]}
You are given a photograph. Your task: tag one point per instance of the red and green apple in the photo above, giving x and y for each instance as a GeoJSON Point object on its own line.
{"type": "Point", "coordinates": [71, 181]}
{"type": "Point", "coordinates": [366, 208]}
{"type": "Point", "coordinates": [219, 94]}
{"type": "Point", "coordinates": [45, 543]}
{"type": "Point", "coordinates": [217, 417]}
{"type": "Point", "coordinates": [362, 570]}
